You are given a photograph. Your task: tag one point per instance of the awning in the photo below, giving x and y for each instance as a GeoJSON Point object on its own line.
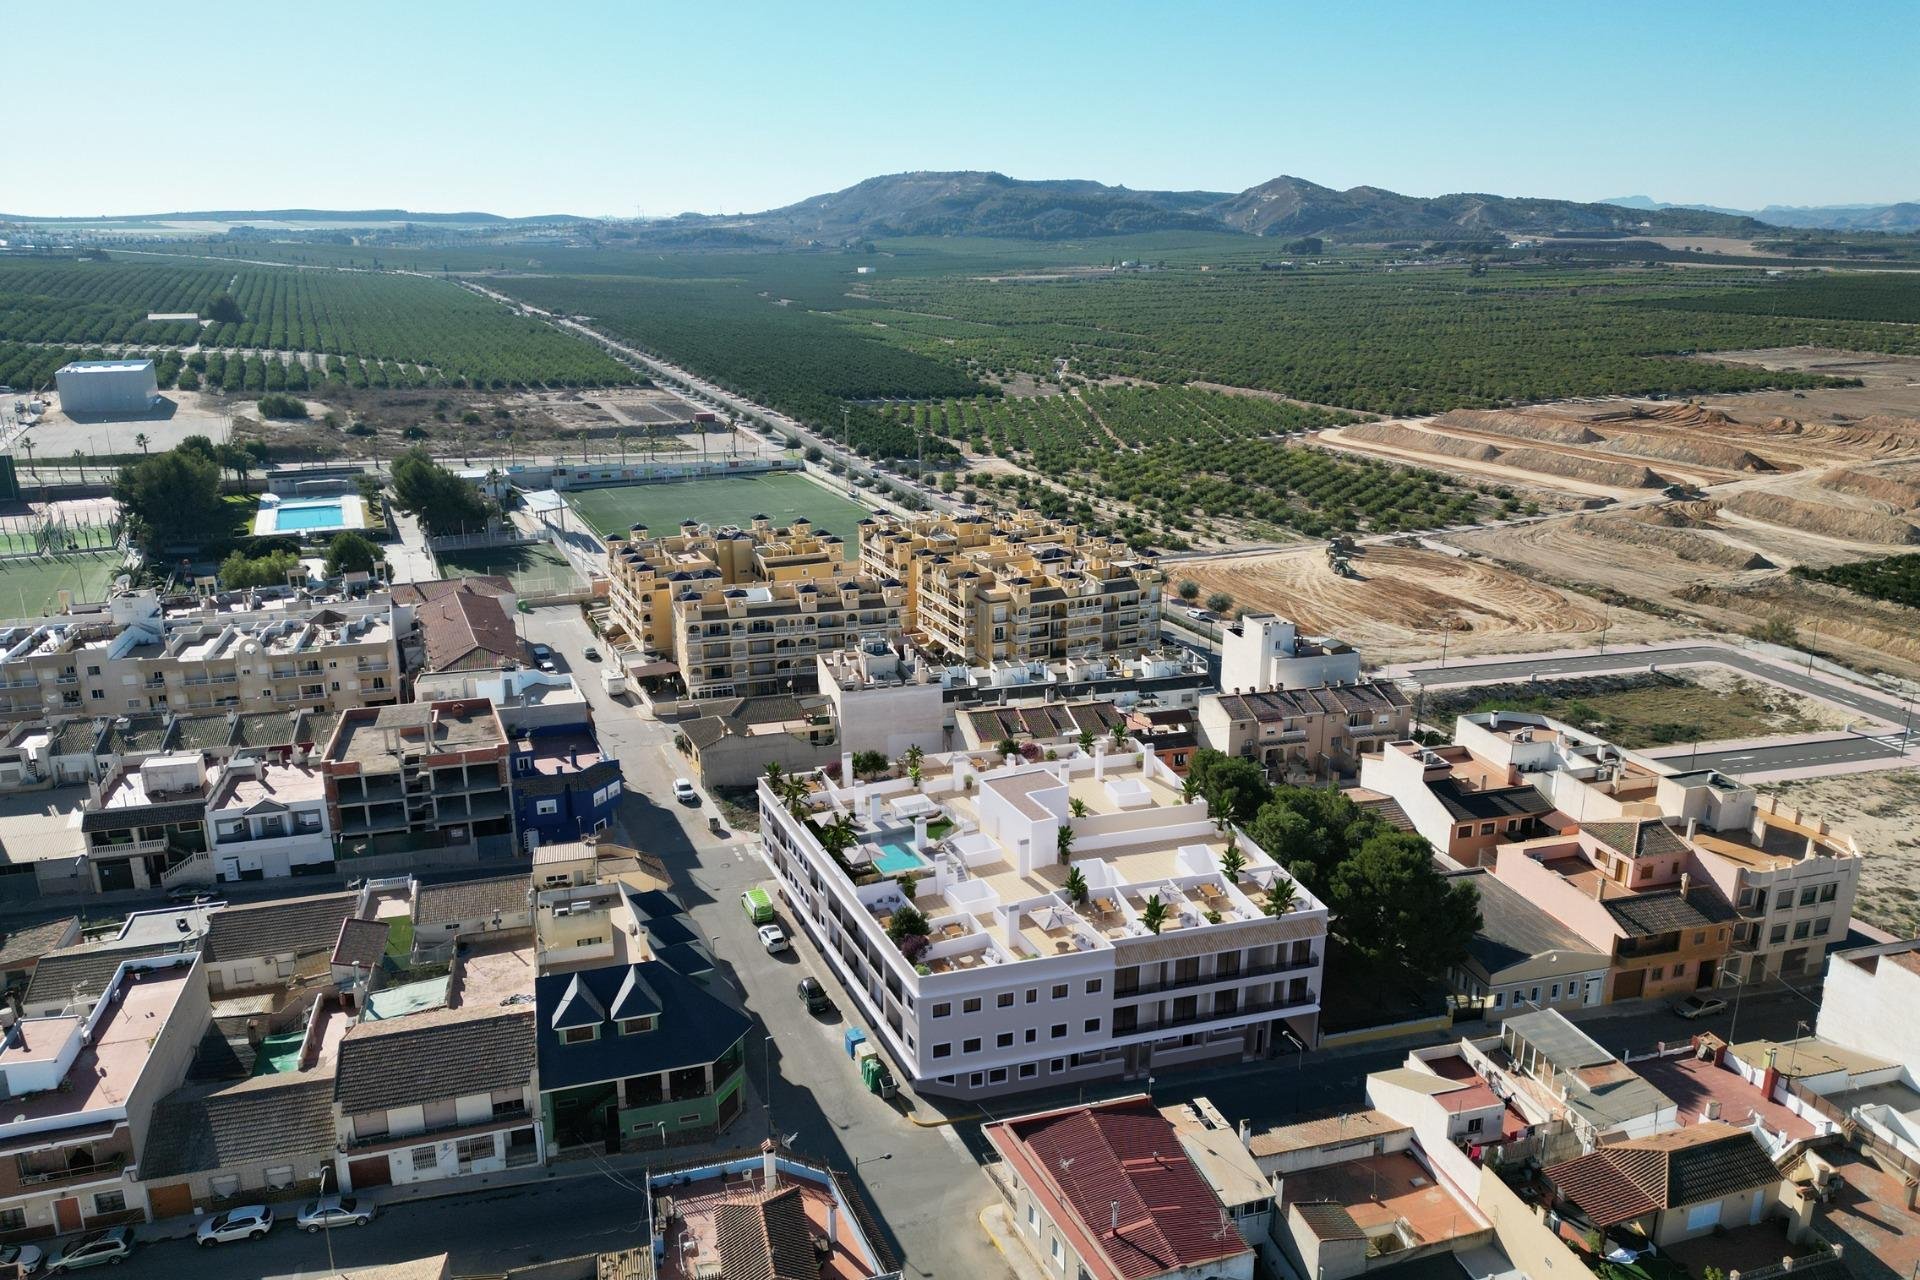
{"type": "Point", "coordinates": [646, 669]}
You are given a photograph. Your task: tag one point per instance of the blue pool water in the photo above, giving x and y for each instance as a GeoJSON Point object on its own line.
{"type": "Point", "coordinates": [896, 857]}
{"type": "Point", "coordinates": [308, 515]}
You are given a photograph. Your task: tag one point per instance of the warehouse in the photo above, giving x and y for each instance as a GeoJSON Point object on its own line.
{"type": "Point", "coordinates": [107, 387]}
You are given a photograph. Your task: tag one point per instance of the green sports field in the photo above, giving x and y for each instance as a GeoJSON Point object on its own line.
{"type": "Point", "coordinates": [535, 570]}
{"type": "Point", "coordinates": [32, 586]}
{"type": "Point", "coordinates": [782, 497]}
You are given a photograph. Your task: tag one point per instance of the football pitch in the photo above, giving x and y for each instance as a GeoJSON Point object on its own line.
{"type": "Point", "coordinates": [782, 497]}
{"type": "Point", "coordinates": [30, 587]}
{"type": "Point", "coordinates": [535, 570]}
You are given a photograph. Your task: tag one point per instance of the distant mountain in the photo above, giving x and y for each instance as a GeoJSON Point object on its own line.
{"type": "Point", "coordinates": [992, 204]}
{"type": "Point", "coordinates": [345, 217]}
{"type": "Point", "coordinates": [1902, 216]}
{"type": "Point", "coordinates": [1293, 206]}
{"type": "Point", "coordinates": [980, 204]}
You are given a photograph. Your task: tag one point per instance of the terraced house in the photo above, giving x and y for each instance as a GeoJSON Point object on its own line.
{"type": "Point", "coordinates": [1015, 587]}
{"type": "Point", "coordinates": [743, 612]}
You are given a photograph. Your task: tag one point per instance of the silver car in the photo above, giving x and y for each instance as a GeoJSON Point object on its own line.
{"type": "Point", "coordinates": [334, 1211]}
{"type": "Point", "coordinates": [96, 1248]}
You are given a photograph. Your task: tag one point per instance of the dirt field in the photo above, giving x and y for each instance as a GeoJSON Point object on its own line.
{"type": "Point", "coordinates": [1403, 600]}
{"type": "Point", "coordinates": [1877, 808]}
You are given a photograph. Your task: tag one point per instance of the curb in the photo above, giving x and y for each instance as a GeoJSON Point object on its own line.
{"type": "Point", "coordinates": [944, 1122]}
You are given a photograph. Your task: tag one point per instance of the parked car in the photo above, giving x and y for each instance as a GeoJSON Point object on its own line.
{"type": "Point", "coordinates": [685, 792]}
{"type": "Point", "coordinates": [96, 1248]}
{"type": "Point", "coordinates": [541, 653]}
{"type": "Point", "coordinates": [1699, 1006]}
{"type": "Point", "coordinates": [590, 653]}
{"type": "Point", "coordinates": [24, 1258]}
{"type": "Point", "coordinates": [774, 938]}
{"type": "Point", "coordinates": [334, 1211]}
{"type": "Point", "coordinates": [248, 1222]}
{"type": "Point", "coordinates": [189, 893]}
{"type": "Point", "coordinates": [814, 996]}
{"type": "Point", "coordinates": [1198, 615]}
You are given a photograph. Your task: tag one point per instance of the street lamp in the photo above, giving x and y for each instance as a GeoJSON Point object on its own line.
{"type": "Point", "coordinates": [884, 1155]}
{"type": "Point", "coordinates": [766, 1093]}
{"type": "Point", "coordinates": [326, 1218]}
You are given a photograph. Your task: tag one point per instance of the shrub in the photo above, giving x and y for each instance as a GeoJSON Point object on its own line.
{"type": "Point", "coordinates": [274, 405]}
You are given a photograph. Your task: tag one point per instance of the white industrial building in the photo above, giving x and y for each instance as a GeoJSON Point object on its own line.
{"type": "Point", "coordinates": [107, 387]}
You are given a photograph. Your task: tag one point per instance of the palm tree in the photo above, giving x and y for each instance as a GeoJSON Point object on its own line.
{"type": "Point", "coordinates": [141, 440]}
{"type": "Point", "coordinates": [1154, 914]}
{"type": "Point", "coordinates": [796, 795]}
{"type": "Point", "coordinates": [774, 774]}
{"type": "Point", "coordinates": [1281, 897]}
{"type": "Point", "coordinates": [1121, 737]}
{"type": "Point", "coordinates": [1077, 807]}
{"type": "Point", "coordinates": [839, 835]}
{"type": "Point", "coordinates": [1189, 788]}
{"type": "Point", "coordinates": [914, 755]}
{"type": "Point", "coordinates": [1063, 842]}
{"type": "Point", "coordinates": [1076, 887]}
{"type": "Point", "coordinates": [1232, 861]}
{"type": "Point", "coordinates": [28, 446]}
{"type": "Point", "coordinates": [1086, 742]}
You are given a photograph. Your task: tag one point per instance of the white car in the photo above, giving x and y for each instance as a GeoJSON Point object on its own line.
{"type": "Point", "coordinates": [684, 792]}
{"type": "Point", "coordinates": [26, 1257]}
{"type": "Point", "coordinates": [774, 938]}
{"type": "Point", "coordinates": [248, 1222]}
{"type": "Point", "coordinates": [334, 1211]}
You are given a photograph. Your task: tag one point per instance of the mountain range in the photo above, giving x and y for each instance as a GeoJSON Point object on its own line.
{"type": "Point", "coordinates": [1903, 215]}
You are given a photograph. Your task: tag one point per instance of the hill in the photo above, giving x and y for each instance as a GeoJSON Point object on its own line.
{"type": "Point", "coordinates": [1903, 215]}
{"type": "Point", "coordinates": [345, 217]}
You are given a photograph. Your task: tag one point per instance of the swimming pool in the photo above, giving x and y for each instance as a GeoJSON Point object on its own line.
{"type": "Point", "coordinates": [896, 857]}
{"type": "Point", "coordinates": [308, 515]}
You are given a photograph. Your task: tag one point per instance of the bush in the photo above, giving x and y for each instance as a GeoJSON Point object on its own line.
{"type": "Point", "coordinates": [274, 405]}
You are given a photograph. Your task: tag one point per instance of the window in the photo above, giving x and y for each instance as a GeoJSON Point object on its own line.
{"type": "Point", "coordinates": [997, 1076]}
{"type": "Point", "coordinates": [943, 1050]}
{"type": "Point", "coordinates": [1659, 972]}
{"type": "Point", "coordinates": [424, 1158]}
{"type": "Point", "coordinates": [225, 1185]}
{"type": "Point", "coordinates": [1802, 929]}
{"type": "Point", "coordinates": [1033, 1033]}
{"type": "Point", "coordinates": [470, 1150]}
{"type": "Point", "coordinates": [96, 695]}
{"type": "Point", "coordinates": [1820, 927]}
{"type": "Point", "coordinates": [1093, 1025]}
{"type": "Point", "coordinates": [1499, 999]}
{"type": "Point", "coordinates": [1680, 969]}
{"type": "Point", "coordinates": [1777, 934]}
{"type": "Point", "coordinates": [1033, 994]}
{"type": "Point", "coordinates": [1053, 1247]}
{"type": "Point", "coordinates": [93, 671]}
{"type": "Point", "coordinates": [110, 1202]}
{"type": "Point", "coordinates": [1028, 1070]}
{"type": "Point", "coordinates": [1466, 831]}
{"type": "Point", "coordinates": [1058, 1031]}
{"type": "Point", "coordinates": [970, 1045]}
{"type": "Point", "coordinates": [943, 1009]}
{"type": "Point", "coordinates": [1093, 986]}
{"type": "Point", "coordinates": [1474, 1125]}
{"type": "Point", "coordinates": [16, 1219]}
{"type": "Point", "coordinates": [970, 1005]}
{"type": "Point", "coordinates": [1486, 828]}
{"type": "Point", "coordinates": [1057, 1066]}
{"type": "Point", "coordinates": [1828, 892]}
{"type": "Point", "coordinates": [1809, 895]}
{"type": "Point", "coordinates": [1554, 992]}
{"type": "Point", "coordinates": [682, 1122]}
{"type": "Point", "coordinates": [280, 1177]}
{"type": "Point", "coordinates": [1033, 1219]}
{"type": "Point", "coordinates": [579, 1035]}
{"type": "Point", "coordinates": [1699, 937]}
{"type": "Point", "coordinates": [636, 1026]}
{"type": "Point", "coordinates": [1004, 1000]}
{"type": "Point", "coordinates": [1004, 1040]}
{"type": "Point", "coordinates": [546, 808]}
{"type": "Point", "coordinates": [974, 1081]}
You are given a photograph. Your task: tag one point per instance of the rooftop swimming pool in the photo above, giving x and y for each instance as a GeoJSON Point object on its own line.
{"type": "Point", "coordinates": [896, 857]}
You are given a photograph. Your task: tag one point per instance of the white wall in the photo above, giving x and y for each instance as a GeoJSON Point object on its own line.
{"type": "Point", "coordinates": [1872, 1012]}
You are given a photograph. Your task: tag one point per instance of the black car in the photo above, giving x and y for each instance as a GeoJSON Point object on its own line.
{"type": "Point", "coordinates": [814, 996]}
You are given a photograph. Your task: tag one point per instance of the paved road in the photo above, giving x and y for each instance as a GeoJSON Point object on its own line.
{"type": "Point", "coordinates": [1821, 753]}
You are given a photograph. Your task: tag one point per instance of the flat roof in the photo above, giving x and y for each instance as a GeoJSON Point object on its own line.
{"type": "Point", "coordinates": [441, 728]}
{"type": "Point", "coordinates": [276, 783]}
{"type": "Point", "coordinates": [1377, 1192]}
{"type": "Point", "coordinates": [103, 366]}
{"type": "Point", "coordinates": [1808, 1056]}
{"type": "Point", "coordinates": [107, 1069]}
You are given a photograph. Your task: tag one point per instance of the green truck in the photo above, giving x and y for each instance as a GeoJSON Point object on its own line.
{"type": "Point", "coordinates": [758, 904]}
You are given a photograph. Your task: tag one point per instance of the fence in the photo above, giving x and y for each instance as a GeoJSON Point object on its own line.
{"type": "Point", "coordinates": [502, 535]}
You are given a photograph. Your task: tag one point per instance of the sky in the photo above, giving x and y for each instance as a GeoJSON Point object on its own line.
{"type": "Point", "coordinates": [734, 105]}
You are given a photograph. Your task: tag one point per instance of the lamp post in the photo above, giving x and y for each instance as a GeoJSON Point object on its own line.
{"type": "Point", "coordinates": [766, 1093]}
{"type": "Point", "coordinates": [326, 1218]}
{"type": "Point", "coordinates": [884, 1155]}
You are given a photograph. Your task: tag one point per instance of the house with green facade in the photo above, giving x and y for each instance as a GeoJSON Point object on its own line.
{"type": "Point", "coordinates": [637, 1055]}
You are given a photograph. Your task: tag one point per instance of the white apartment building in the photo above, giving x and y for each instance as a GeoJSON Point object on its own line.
{"type": "Point", "coordinates": [1263, 651]}
{"type": "Point", "coordinates": [1019, 985]}
{"type": "Point", "coordinates": [264, 820]}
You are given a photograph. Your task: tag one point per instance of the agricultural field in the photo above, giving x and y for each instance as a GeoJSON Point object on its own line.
{"type": "Point", "coordinates": [736, 500]}
{"type": "Point", "coordinates": [1177, 466]}
{"type": "Point", "coordinates": [391, 329]}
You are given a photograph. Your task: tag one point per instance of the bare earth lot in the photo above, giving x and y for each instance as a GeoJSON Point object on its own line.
{"type": "Point", "coordinates": [1879, 810]}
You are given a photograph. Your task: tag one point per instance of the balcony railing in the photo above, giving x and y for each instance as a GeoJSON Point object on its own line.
{"type": "Point", "coordinates": [1211, 979]}
{"type": "Point", "coordinates": [501, 1115]}
{"type": "Point", "coordinates": [107, 1167]}
{"type": "Point", "coordinates": [1238, 1011]}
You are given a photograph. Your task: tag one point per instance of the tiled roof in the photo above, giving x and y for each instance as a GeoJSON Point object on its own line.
{"type": "Point", "coordinates": [1388, 810]}
{"type": "Point", "coordinates": [459, 900]}
{"type": "Point", "coordinates": [264, 729]}
{"type": "Point", "coordinates": [271, 1117]}
{"type": "Point", "coordinates": [1329, 1221]}
{"type": "Point", "coordinates": [1667, 1171]}
{"type": "Point", "coordinates": [1332, 1131]}
{"type": "Point", "coordinates": [141, 733]}
{"type": "Point", "coordinates": [1645, 915]}
{"type": "Point", "coordinates": [1464, 802]}
{"type": "Point", "coordinates": [203, 733]}
{"type": "Point", "coordinates": [31, 941]}
{"type": "Point", "coordinates": [76, 737]}
{"type": "Point", "coordinates": [1287, 704]}
{"type": "Point", "coordinates": [361, 943]}
{"type": "Point", "coordinates": [426, 1057]}
{"type": "Point", "coordinates": [765, 1238]}
{"type": "Point", "coordinates": [1084, 1159]}
{"type": "Point", "coordinates": [84, 971]}
{"type": "Point", "coordinates": [296, 925]}
{"type": "Point", "coordinates": [316, 727]}
{"type": "Point", "coordinates": [465, 629]}
{"type": "Point", "coordinates": [439, 588]}
{"type": "Point", "coordinates": [1647, 838]}
{"type": "Point", "coordinates": [121, 817]}
{"type": "Point", "coordinates": [1044, 720]}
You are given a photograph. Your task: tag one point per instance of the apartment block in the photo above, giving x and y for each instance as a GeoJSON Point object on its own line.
{"type": "Point", "coordinates": [1160, 951]}
{"type": "Point", "coordinates": [744, 611]}
{"type": "Point", "coordinates": [423, 774]}
{"type": "Point", "coordinates": [141, 659]}
{"type": "Point", "coordinates": [264, 820]}
{"type": "Point", "coordinates": [1264, 651]}
{"type": "Point", "coordinates": [984, 589]}
{"type": "Point", "coordinates": [1305, 734]}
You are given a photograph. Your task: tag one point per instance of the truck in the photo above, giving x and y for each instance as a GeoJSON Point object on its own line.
{"type": "Point", "coordinates": [614, 681]}
{"type": "Point", "coordinates": [874, 1072]}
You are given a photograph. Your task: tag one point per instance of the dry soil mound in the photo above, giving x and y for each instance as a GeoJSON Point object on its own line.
{"type": "Point", "coordinates": [1548, 428]}
{"type": "Point", "coordinates": [1879, 486]}
{"type": "Point", "coordinates": [1622, 475]}
{"type": "Point", "coordinates": [1688, 415]}
{"type": "Point", "coordinates": [1395, 436]}
{"type": "Point", "coordinates": [1705, 453]}
{"type": "Point", "coordinates": [1641, 535]}
{"type": "Point", "coordinates": [1678, 515]}
{"type": "Point", "coordinates": [1824, 518]}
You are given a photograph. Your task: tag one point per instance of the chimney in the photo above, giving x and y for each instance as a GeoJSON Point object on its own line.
{"type": "Point", "coordinates": [1113, 1210]}
{"type": "Point", "coordinates": [769, 1166]}
{"type": "Point", "coordinates": [1246, 1132]}
{"type": "Point", "coordinates": [1686, 882]}
{"type": "Point", "coordinates": [833, 1222]}
{"type": "Point", "coordinates": [1693, 825]}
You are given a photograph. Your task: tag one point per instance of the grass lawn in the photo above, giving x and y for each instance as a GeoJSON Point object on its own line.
{"type": "Point", "coordinates": [535, 569]}
{"type": "Point", "coordinates": [1641, 710]}
{"type": "Point", "coordinates": [31, 587]}
{"type": "Point", "coordinates": [400, 938]}
{"type": "Point", "coordinates": [782, 497]}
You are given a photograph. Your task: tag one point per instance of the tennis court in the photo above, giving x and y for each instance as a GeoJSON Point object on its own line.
{"type": "Point", "coordinates": [535, 569]}
{"type": "Point", "coordinates": [782, 497]}
{"type": "Point", "coordinates": [30, 587]}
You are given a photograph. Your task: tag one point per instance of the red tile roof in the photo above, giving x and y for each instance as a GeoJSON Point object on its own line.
{"type": "Point", "coordinates": [1667, 1171]}
{"type": "Point", "coordinates": [467, 630]}
{"type": "Point", "coordinates": [1082, 1160]}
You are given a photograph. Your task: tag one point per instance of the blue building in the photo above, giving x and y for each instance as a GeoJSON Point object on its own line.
{"type": "Point", "coordinates": [563, 787]}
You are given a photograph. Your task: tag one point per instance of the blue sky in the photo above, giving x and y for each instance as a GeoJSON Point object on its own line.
{"type": "Point", "coordinates": [736, 105]}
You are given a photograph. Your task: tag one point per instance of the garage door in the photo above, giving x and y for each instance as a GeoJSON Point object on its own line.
{"type": "Point", "coordinates": [171, 1201]}
{"type": "Point", "coordinates": [375, 1171]}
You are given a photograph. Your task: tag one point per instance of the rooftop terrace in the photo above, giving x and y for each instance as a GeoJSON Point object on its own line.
{"type": "Point", "coordinates": [102, 1075]}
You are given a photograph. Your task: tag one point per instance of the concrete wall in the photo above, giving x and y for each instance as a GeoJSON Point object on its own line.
{"type": "Point", "coordinates": [1536, 1251]}
{"type": "Point", "coordinates": [1872, 1012]}
{"type": "Point", "coordinates": [1740, 1209]}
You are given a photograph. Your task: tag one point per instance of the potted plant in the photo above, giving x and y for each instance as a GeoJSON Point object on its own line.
{"type": "Point", "coordinates": [1077, 807]}
{"type": "Point", "coordinates": [1281, 897]}
{"type": "Point", "coordinates": [1154, 914]}
{"type": "Point", "coordinates": [1076, 887]}
{"type": "Point", "coordinates": [1232, 861]}
{"type": "Point", "coordinates": [1063, 843]}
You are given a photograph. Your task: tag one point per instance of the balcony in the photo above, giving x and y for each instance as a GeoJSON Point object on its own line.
{"type": "Point", "coordinates": [99, 1169]}
{"type": "Point", "coordinates": [1224, 1015]}
{"type": "Point", "coordinates": [459, 1129]}
{"type": "Point", "coordinates": [1213, 979]}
